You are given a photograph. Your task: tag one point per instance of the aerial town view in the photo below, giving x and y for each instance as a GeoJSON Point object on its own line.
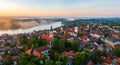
{"type": "Point", "coordinates": [59, 32]}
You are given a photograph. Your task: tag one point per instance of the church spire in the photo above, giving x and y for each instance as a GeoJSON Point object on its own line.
{"type": "Point", "coordinates": [51, 29]}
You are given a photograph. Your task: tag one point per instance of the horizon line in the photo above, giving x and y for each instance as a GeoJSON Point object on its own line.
{"type": "Point", "coordinates": [69, 16]}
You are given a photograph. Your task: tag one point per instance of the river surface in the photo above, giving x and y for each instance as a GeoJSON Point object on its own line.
{"type": "Point", "coordinates": [29, 30]}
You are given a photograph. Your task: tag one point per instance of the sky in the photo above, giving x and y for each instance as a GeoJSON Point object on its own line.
{"type": "Point", "coordinates": [81, 8]}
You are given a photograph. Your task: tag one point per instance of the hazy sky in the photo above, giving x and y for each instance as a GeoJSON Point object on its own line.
{"type": "Point", "coordinates": [83, 8]}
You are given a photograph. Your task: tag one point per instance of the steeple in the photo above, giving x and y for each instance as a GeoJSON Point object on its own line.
{"type": "Point", "coordinates": [51, 32]}
{"type": "Point", "coordinates": [51, 29]}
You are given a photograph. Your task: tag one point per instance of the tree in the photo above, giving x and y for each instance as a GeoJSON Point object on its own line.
{"type": "Point", "coordinates": [33, 41]}
{"type": "Point", "coordinates": [8, 60]}
{"type": "Point", "coordinates": [99, 41]}
{"type": "Point", "coordinates": [55, 43]}
{"type": "Point", "coordinates": [13, 44]}
{"type": "Point", "coordinates": [63, 59]}
{"type": "Point", "coordinates": [43, 58]}
{"type": "Point", "coordinates": [75, 46]}
{"type": "Point", "coordinates": [50, 62]}
{"type": "Point", "coordinates": [79, 34]}
{"type": "Point", "coordinates": [58, 44]}
{"type": "Point", "coordinates": [24, 39]}
{"type": "Point", "coordinates": [67, 45]}
{"type": "Point", "coordinates": [57, 57]}
{"type": "Point", "coordinates": [79, 58]}
{"type": "Point", "coordinates": [96, 56]}
{"type": "Point", "coordinates": [58, 63]}
{"type": "Point", "coordinates": [42, 42]}
{"type": "Point", "coordinates": [31, 63]}
{"type": "Point", "coordinates": [34, 60]}
{"type": "Point", "coordinates": [6, 53]}
{"type": "Point", "coordinates": [60, 59]}
{"type": "Point", "coordinates": [26, 59]}
{"type": "Point", "coordinates": [61, 46]}
{"type": "Point", "coordinates": [119, 34]}
{"type": "Point", "coordinates": [116, 51]}
{"type": "Point", "coordinates": [106, 34]}
{"type": "Point", "coordinates": [52, 54]}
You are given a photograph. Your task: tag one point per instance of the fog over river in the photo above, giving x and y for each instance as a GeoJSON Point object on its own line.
{"type": "Point", "coordinates": [28, 30]}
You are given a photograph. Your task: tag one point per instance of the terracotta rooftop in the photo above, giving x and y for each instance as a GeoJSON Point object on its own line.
{"type": "Point", "coordinates": [118, 60]}
{"type": "Point", "coordinates": [69, 30]}
{"type": "Point", "coordinates": [39, 49]}
{"type": "Point", "coordinates": [108, 60]}
{"type": "Point", "coordinates": [47, 37]}
{"type": "Point", "coordinates": [69, 53]}
{"type": "Point", "coordinates": [84, 37]}
{"type": "Point", "coordinates": [90, 63]}
{"type": "Point", "coordinates": [85, 27]}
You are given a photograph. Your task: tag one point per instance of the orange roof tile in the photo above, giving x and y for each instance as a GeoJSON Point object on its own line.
{"type": "Point", "coordinates": [84, 37]}
{"type": "Point", "coordinates": [118, 60]}
{"type": "Point", "coordinates": [90, 63]}
{"type": "Point", "coordinates": [71, 31]}
{"type": "Point", "coordinates": [37, 51]}
{"type": "Point", "coordinates": [85, 27]}
{"type": "Point", "coordinates": [108, 60]}
{"type": "Point", "coordinates": [47, 37]}
{"type": "Point", "coordinates": [69, 53]}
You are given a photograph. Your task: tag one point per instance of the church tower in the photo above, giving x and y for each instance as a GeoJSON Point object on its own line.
{"type": "Point", "coordinates": [51, 28]}
{"type": "Point", "coordinates": [51, 32]}
{"type": "Point", "coordinates": [51, 35]}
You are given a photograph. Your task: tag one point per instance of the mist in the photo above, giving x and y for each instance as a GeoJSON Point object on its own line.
{"type": "Point", "coordinates": [25, 25]}
{"type": "Point", "coordinates": [29, 30]}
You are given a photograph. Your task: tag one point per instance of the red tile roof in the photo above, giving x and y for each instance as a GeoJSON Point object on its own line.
{"type": "Point", "coordinates": [118, 60]}
{"type": "Point", "coordinates": [41, 48]}
{"type": "Point", "coordinates": [37, 51]}
{"type": "Point", "coordinates": [64, 36]}
{"type": "Point", "coordinates": [47, 37]}
{"type": "Point", "coordinates": [113, 33]}
{"type": "Point", "coordinates": [70, 31]}
{"type": "Point", "coordinates": [93, 32]}
{"type": "Point", "coordinates": [85, 27]}
{"type": "Point", "coordinates": [85, 33]}
{"type": "Point", "coordinates": [90, 63]}
{"type": "Point", "coordinates": [108, 60]}
{"type": "Point", "coordinates": [84, 37]}
{"type": "Point", "coordinates": [1, 59]}
{"type": "Point", "coordinates": [69, 53]}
